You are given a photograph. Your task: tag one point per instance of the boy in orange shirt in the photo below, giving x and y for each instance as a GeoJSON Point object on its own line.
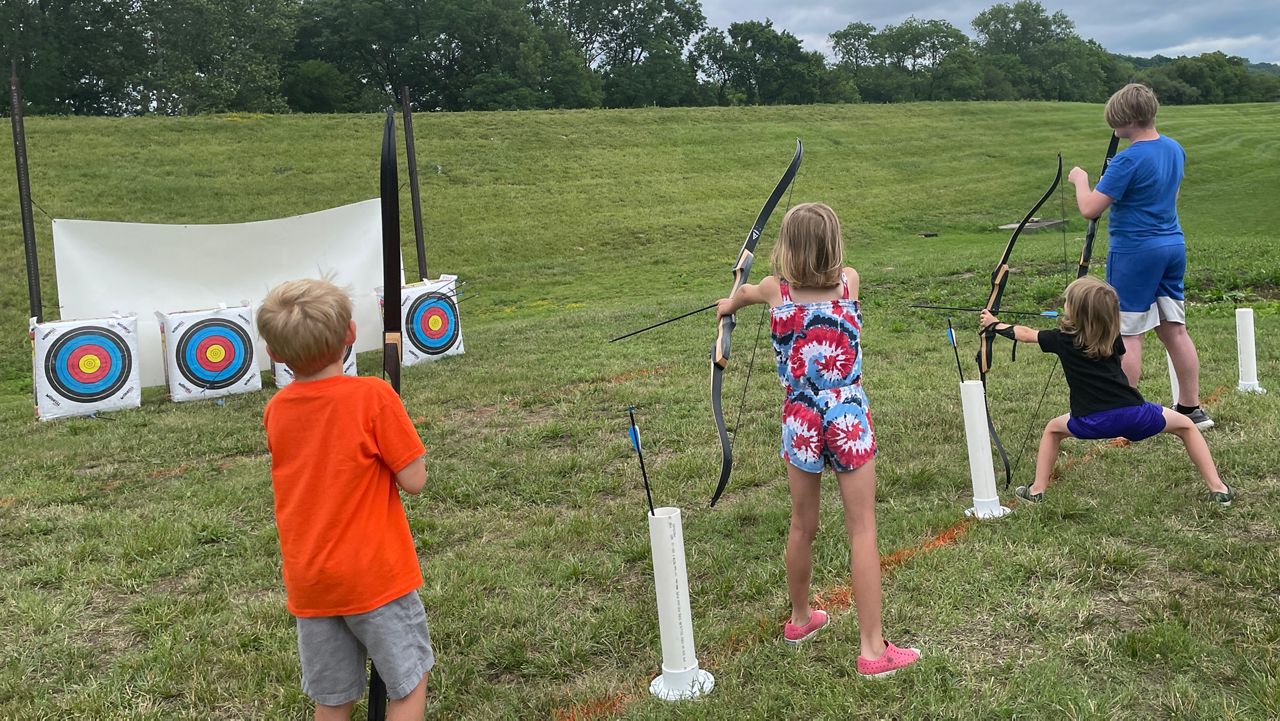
{"type": "Point", "coordinates": [340, 445]}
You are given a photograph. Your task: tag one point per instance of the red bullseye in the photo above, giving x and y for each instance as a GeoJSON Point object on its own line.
{"type": "Point", "coordinates": [214, 354]}
{"type": "Point", "coordinates": [435, 323]}
{"type": "Point", "coordinates": [89, 363]}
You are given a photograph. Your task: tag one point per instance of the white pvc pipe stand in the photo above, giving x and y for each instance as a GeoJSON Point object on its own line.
{"type": "Point", "coordinates": [1173, 380]}
{"type": "Point", "coordinates": [1246, 352]}
{"type": "Point", "coordinates": [681, 679]}
{"type": "Point", "coordinates": [986, 502]}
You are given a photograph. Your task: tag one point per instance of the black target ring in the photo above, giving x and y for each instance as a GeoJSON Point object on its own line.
{"type": "Point", "coordinates": [431, 323]}
{"type": "Point", "coordinates": [88, 364]}
{"type": "Point", "coordinates": [214, 354]}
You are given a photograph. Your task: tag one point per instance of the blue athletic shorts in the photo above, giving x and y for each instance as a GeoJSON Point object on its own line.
{"type": "Point", "coordinates": [1132, 422]}
{"type": "Point", "coordinates": [1150, 286]}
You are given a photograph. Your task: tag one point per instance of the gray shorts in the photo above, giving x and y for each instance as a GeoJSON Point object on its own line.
{"type": "Point", "coordinates": [332, 650]}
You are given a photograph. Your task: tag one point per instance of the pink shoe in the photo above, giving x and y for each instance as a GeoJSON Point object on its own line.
{"type": "Point", "coordinates": [888, 664]}
{"type": "Point", "coordinates": [794, 634]}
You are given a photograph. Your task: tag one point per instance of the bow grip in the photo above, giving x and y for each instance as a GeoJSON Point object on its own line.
{"type": "Point", "coordinates": [720, 351]}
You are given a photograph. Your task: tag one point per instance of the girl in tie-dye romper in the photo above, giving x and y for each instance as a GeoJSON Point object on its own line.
{"type": "Point", "coordinates": [816, 324]}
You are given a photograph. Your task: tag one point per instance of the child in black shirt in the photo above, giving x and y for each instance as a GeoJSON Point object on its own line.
{"type": "Point", "coordinates": [1103, 404]}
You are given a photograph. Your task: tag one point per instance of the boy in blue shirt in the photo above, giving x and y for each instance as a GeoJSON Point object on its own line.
{"type": "Point", "coordinates": [1147, 253]}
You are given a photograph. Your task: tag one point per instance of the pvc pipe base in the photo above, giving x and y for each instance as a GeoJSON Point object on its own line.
{"type": "Point", "coordinates": [985, 511]}
{"type": "Point", "coordinates": [1253, 387]}
{"type": "Point", "coordinates": [682, 685]}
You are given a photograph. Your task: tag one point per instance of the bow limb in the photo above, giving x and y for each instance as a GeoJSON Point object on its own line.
{"type": "Point", "coordinates": [391, 279]}
{"type": "Point", "coordinates": [724, 329]}
{"type": "Point", "coordinates": [1086, 252]}
{"type": "Point", "coordinates": [1000, 276]}
{"type": "Point", "coordinates": [999, 279]}
{"type": "Point", "coordinates": [389, 192]}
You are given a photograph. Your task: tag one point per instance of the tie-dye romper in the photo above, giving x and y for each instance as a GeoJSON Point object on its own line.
{"type": "Point", "coordinates": [825, 416]}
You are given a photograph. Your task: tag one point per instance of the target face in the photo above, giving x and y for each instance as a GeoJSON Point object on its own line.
{"type": "Point", "coordinates": [89, 364]}
{"type": "Point", "coordinates": [284, 376]}
{"type": "Point", "coordinates": [214, 353]}
{"type": "Point", "coordinates": [431, 323]}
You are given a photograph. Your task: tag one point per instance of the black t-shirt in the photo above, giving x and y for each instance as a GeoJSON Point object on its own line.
{"type": "Point", "coordinates": [1096, 385]}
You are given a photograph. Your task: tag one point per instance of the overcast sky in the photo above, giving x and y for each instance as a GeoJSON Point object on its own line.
{"type": "Point", "coordinates": [1248, 28]}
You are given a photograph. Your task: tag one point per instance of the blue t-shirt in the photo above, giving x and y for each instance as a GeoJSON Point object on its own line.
{"type": "Point", "coordinates": [1143, 182]}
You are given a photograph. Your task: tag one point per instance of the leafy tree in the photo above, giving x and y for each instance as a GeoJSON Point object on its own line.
{"type": "Point", "coordinates": [853, 46]}
{"type": "Point", "coordinates": [712, 59]}
{"type": "Point", "coordinates": [452, 54]}
{"type": "Point", "coordinates": [568, 82]}
{"type": "Point", "coordinates": [769, 67]}
{"type": "Point", "coordinates": [85, 57]}
{"type": "Point", "coordinates": [1210, 78]}
{"type": "Point", "coordinates": [1027, 53]}
{"type": "Point", "coordinates": [662, 78]}
{"type": "Point", "coordinates": [1020, 28]}
{"type": "Point", "coordinates": [958, 76]}
{"type": "Point", "coordinates": [315, 86]}
{"type": "Point", "coordinates": [217, 55]}
{"type": "Point", "coordinates": [610, 34]}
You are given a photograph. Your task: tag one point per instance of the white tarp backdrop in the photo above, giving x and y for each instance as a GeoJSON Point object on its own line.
{"type": "Point", "coordinates": [144, 268]}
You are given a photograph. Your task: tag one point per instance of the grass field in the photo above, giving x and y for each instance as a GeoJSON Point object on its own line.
{"type": "Point", "coordinates": [139, 568]}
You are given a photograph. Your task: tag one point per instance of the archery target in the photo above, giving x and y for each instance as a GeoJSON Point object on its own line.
{"type": "Point", "coordinates": [431, 327]}
{"type": "Point", "coordinates": [82, 367]}
{"type": "Point", "coordinates": [284, 376]}
{"type": "Point", "coordinates": [209, 353]}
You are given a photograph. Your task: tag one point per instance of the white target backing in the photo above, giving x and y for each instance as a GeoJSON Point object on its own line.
{"type": "Point", "coordinates": [209, 353]}
{"type": "Point", "coordinates": [81, 367]}
{"type": "Point", "coordinates": [432, 328]}
{"type": "Point", "coordinates": [284, 376]}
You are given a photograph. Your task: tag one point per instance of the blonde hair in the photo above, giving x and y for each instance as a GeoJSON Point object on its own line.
{"type": "Point", "coordinates": [1134, 104]}
{"type": "Point", "coordinates": [810, 251]}
{"type": "Point", "coordinates": [1091, 313]}
{"type": "Point", "coordinates": [304, 323]}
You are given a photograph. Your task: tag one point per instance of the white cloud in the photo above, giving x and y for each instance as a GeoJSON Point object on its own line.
{"type": "Point", "coordinates": [1248, 28]}
{"type": "Point", "coordinates": [1231, 46]}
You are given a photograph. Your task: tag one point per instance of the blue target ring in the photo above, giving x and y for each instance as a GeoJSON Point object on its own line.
{"type": "Point", "coordinates": [214, 353]}
{"type": "Point", "coordinates": [432, 323]}
{"type": "Point", "coordinates": [88, 364]}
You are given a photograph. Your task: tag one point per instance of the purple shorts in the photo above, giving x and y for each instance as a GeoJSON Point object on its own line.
{"type": "Point", "coordinates": [1132, 422]}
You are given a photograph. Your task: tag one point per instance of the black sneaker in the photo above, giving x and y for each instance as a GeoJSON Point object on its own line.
{"type": "Point", "coordinates": [1201, 419]}
{"type": "Point", "coordinates": [1222, 499]}
{"type": "Point", "coordinates": [1024, 492]}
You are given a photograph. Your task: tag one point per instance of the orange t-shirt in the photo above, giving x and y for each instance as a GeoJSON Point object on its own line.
{"type": "Point", "coordinates": [335, 445]}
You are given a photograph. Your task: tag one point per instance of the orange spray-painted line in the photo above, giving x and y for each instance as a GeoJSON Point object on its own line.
{"type": "Point", "coordinates": [840, 598]}
{"type": "Point", "coordinates": [832, 600]}
{"type": "Point", "coordinates": [1089, 455]}
{"type": "Point", "coordinates": [597, 709]}
{"type": "Point", "coordinates": [1214, 396]}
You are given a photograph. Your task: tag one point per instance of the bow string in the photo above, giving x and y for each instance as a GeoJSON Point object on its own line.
{"type": "Point", "coordinates": [999, 280]}
{"type": "Point", "coordinates": [724, 331]}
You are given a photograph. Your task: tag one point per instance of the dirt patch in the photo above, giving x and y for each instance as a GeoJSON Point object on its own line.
{"type": "Point", "coordinates": [639, 373]}
{"type": "Point", "coordinates": [478, 417]}
{"type": "Point", "coordinates": [226, 462]}
{"type": "Point", "coordinates": [97, 469]}
{"type": "Point", "coordinates": [103, 628]}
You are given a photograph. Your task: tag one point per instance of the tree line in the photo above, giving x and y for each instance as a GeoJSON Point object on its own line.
{"type": "Point", "coordinates": [179, 57]}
